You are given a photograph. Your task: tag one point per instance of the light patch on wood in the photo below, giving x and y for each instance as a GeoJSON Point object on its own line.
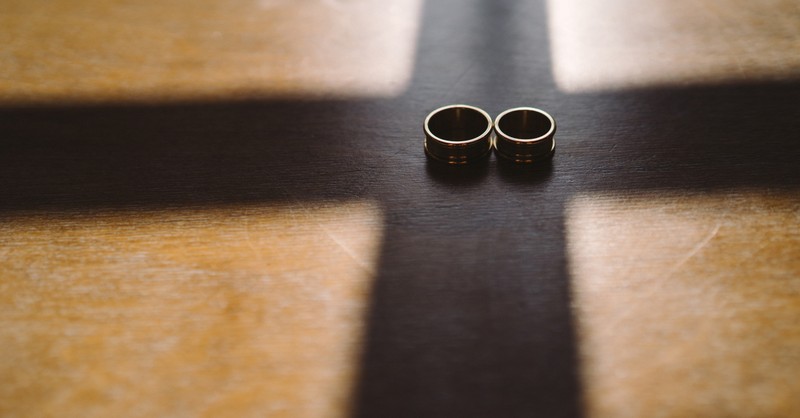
{"type": "Point", "coordinates": [687, 305]}
{"type": "Point", "coordinates": [250, 311]}
{"type": "Point", "coordinates": [621, 44]}
{"type": "Point", "coordinates": [116, 50]}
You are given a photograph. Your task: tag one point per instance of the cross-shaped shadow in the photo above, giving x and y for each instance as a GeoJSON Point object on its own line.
{"type": "Point", "coordinates": [470, 314]}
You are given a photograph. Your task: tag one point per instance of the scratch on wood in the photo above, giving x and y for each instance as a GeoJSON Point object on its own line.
{"type": "Point", "coordinates": [248, 239]}
{"type": "Point", "coordinates": [694, 251]}
{"type": "Point", "coordinates": [458, 80]}
{"type": "Point", "coordinates": [659, 283]}
{"type": "Point", "coordinates": [352, 254]}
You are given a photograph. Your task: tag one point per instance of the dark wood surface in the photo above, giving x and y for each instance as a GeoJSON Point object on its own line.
{"type": "Point", "coordinates": [471, 311]}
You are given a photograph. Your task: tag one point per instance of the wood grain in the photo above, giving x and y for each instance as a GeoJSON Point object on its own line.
{"type": "Point", "coordinates": [202, 312]}
{"type": "Point", "coordinates": [116, 50]}
{"type": "Point", "coordinates": [140, 153]}
{"type": "Point", "coordinates": [625, 44]}
{"type": "Point", "coordinates": [680, 310]}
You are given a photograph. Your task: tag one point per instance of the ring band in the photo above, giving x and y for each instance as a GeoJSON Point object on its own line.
{"type": "Point", "coordinates": [525, 135]}
{"type": "Point", "coordinates": [458, 134]}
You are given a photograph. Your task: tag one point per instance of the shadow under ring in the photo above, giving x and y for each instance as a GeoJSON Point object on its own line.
{"type": "Point", "coordinates": [458, 134]}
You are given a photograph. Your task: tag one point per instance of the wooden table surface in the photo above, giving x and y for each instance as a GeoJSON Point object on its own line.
{"type": "Point", "coordinates": [224, 209]}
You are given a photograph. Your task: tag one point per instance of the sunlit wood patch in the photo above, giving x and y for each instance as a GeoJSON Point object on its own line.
{"type": "Point", "coordinates": [247, 311]}
{"type": "Point", "coordinates": [113, 50]}
{"type": "Point", "coordinates": [687, 305]}
{"type": "Point", "coordinates": [622, 44]}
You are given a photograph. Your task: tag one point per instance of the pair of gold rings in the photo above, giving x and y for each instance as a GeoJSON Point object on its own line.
{"type": "Point", "coordinates": [461, 134]}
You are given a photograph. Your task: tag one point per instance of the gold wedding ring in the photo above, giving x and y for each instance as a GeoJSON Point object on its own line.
{"type": "Point", "coordinates": [525, 135]}
{"type": "Point", "coordinates": [458, 134]}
